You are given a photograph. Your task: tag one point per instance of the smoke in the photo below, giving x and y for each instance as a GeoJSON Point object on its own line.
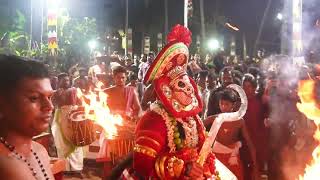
{"type": "Point", "coordinates": [291, 134]}
{"type": "Point", "coordinates": [286, 122]}
{"type": "Point", "coordinates": [281, 67]}
{"type": "Point", "coordinates": [310, 32]}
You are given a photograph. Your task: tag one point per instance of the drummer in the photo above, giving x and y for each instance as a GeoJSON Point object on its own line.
{"type": "Point", "coordinates": [25, 111]}
{"type": "Point", "coordinates": [122, 100]}
{"type": "Point", "coordinates": [66, 150]}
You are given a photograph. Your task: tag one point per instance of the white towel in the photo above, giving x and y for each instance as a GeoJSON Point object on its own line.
{"type": "Point", "coordinates": [222, 149]}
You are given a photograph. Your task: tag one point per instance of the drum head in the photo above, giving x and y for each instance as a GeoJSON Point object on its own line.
{"type": "Point", "coordinates": [78, 130]}
{"type": "Point", "coordinates": [77, 115]}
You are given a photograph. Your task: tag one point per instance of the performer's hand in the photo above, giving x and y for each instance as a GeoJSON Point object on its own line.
{"type": "Point", "coordinates": [195, 171]}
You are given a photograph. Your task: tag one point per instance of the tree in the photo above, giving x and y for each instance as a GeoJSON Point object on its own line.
{"type": "Point", "coordinates": [74, 35]}
{"type": "Point", "coordinates": [14, 39]}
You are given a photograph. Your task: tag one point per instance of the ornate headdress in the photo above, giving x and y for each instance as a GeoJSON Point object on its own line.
{"type": "Point", "coordinates": [177, 92]}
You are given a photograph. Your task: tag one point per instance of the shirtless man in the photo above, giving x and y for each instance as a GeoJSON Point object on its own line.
{"type": "Point", "coordinates": [63, 99]}
{"type": "Point", "coordinates": [122, 99]}
{"type": "Point", "coordinates": [228, 142]}
{"type": "Point", "coordinates": [25, 111]}
{"type": "Point", "coordinates": [82, 81]}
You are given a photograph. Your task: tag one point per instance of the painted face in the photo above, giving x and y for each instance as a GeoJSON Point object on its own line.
{"type": "Point", "coordinates": [179, 94]}
{"type": "Point", "coordinates": [182, 90]}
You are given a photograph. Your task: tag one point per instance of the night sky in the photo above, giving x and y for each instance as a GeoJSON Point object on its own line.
{"type": "Point", "coordinates": [245, 14]}
{"type": "Point", "coordinates": [148, 18]}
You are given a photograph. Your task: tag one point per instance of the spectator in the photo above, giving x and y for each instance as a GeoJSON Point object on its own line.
{"type": "Point", "coordinates": [225, 79]}
{"type": "Point", "coordinates": [82, 80]}
{"type": "Point", "coordinates": [204, 92]}
{"type": "Point", "coordinates": [26, 110]}
{"type": "Point", "coordinates": [254, 120]}
{"type": "Point", "coordinates": [228, 141]}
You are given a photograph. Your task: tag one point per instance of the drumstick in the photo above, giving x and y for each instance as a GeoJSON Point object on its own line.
{"type": "Point", "coordinates": [113, 152]}
{"type": "Point", "coordinates": [118, 148]}
{"type": "Point", "coordinates": [85, 133]}
{"type": "Point", "coordinates": [122, 149]}
{"type": "Point", "coordinates": [80, 131]}
{"type": "Point", "coordinates": [125, 147]}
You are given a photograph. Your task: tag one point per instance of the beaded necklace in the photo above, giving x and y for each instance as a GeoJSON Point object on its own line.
{"type": "Point", "coordinates": [18, 156]}
{"type": "Point", "coordinates": [175, 140]}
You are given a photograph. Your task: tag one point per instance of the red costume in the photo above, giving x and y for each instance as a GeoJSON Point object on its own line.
{"type": "Point", "coordinates": [170, 135]}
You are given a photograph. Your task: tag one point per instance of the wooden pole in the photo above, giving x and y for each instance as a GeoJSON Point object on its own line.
{"type": "Point", "coordinates": [203, 27]}
{"type": "Point", "coordinates": [166, 17]}
{"type": "Point", "coordinates": [126, 27]}
{"type": "Point", "coordinates": [185, 17]}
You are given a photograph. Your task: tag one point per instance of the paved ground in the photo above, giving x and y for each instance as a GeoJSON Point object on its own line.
{"type": "Point", "coordinates": [92, 171]}
{"type": "Point", "coordinates": [88, 175]}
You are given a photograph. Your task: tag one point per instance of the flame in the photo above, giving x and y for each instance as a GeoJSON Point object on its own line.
{"type": "Point", "coordinates": [97, 110]}
{"type": "Point", "coordinates": [308, 106]}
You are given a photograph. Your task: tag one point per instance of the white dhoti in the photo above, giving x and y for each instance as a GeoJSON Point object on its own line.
{"type": "Point", "coordinates": [72, 154]}
{"type": "Point", "coordinates": [230, 157]}
{"type": "Point", "coordinates": [234, 152]}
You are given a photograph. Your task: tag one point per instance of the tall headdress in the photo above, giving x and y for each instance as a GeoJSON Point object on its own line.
{"type": "Point", "coordinates": [177, 92]}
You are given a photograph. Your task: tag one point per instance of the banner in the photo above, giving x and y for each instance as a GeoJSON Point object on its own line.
{"type": "Point", "coordinates": [130, 48]}
{"type": "Point", "coordinates": [146, 49]}
{"type": "Point", "coordinates": [233, 46]}
{"type": "Point", "coordinates": [52, 27]}
{"type": "Point", "coordinates": [159, 43]}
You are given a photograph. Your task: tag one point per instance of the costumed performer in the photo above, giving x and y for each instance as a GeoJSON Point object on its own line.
{"type": "Point", "coordinates": [170, 135]}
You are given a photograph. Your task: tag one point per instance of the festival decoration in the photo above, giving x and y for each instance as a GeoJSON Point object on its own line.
{"type": "Point", "coordinates": [146, 47]}
{"type": "Point", "coordinates": [130, 48]}
{"type": "Point", "coordinates": [310, 108]}
{"type": "Point", "coordinates": [159, 42]}
{"type": "Point", "coordinates": [52, 27]}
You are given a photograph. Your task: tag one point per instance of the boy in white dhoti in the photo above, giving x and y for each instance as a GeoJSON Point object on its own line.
{"type": "Point", "coordinates": [228, 142]}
